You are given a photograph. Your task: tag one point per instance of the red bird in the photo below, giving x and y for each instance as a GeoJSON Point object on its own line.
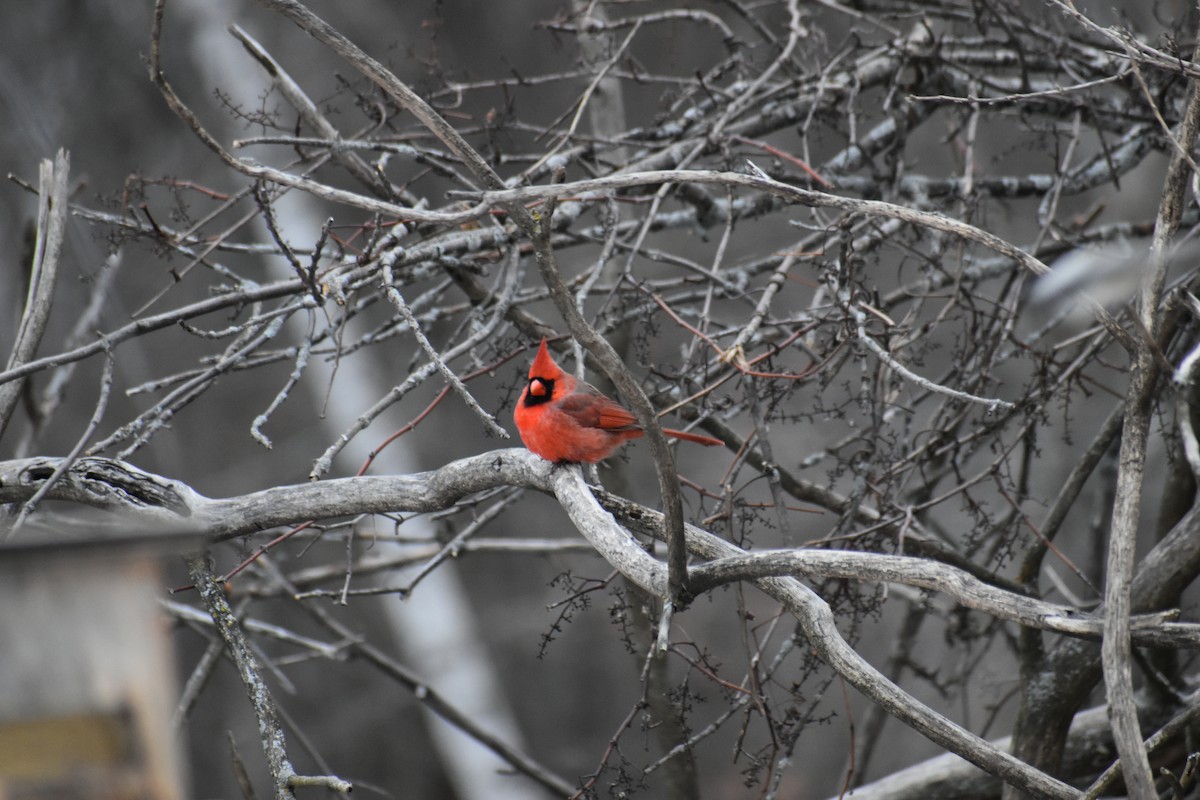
{"type": "Point", "coordinates": [564, 420]}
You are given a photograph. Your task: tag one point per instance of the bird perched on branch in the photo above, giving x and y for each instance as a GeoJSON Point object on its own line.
{"type": "Point", "coordinates": [565, 420]}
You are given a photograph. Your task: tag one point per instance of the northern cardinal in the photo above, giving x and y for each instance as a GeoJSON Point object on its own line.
{"type": "Point", "coordinates": [564, 420]}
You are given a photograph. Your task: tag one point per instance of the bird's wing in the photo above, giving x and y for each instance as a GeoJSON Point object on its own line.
{"type": "Point", "coordinates": [594, 410]}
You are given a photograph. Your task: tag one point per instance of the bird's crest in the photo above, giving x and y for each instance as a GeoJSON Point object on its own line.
{"type": "Point", "coordinates": [543, 365]}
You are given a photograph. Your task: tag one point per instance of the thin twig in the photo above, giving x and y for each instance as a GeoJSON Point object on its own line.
{"type": "Point", "coordinates": [397, 300]}
{"type": "Point", "coordinates": [30, 505]}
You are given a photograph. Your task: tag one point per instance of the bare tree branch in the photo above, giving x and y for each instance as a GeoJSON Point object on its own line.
{"type": "Point", "coordinates": [1117, 649]}
{"type": "Point", "coordinates": [43, 275]}
{"type": "Point", "coordinates": [807, 229]}
{"type": "Point", "coordinates": [95, 480]}
{"type": "Point", "coordinates": [273, 741]}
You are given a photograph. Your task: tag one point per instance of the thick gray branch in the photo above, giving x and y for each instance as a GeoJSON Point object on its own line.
{"type": "Point", "coordinates": [948, 776]}
{"type": "Point", "coordinates": [153, 500]}
{"type": "Point", "coordinates": [957, 584]}
{"type": "Point", "coordinates": [149, 501]}
{"type": "Point", "coordinates": [1117, 650]}
{"type": "Point", "coordinates": [43, 274]}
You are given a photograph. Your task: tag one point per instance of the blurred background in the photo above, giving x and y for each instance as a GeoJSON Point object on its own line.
{"type": "Point", "coordinates": [508, 637]}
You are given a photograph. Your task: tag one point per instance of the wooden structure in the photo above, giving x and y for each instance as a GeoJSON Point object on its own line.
{"type": "Point", "coordinates": [87, 675]}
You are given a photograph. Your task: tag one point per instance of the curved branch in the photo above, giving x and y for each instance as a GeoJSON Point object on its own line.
{"type": "Point", "coordinates": [958, 584]}
{"type": "Point", "coordinates": [820, 628]}
{"type": "Point", "coordinates": [165, 503]}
